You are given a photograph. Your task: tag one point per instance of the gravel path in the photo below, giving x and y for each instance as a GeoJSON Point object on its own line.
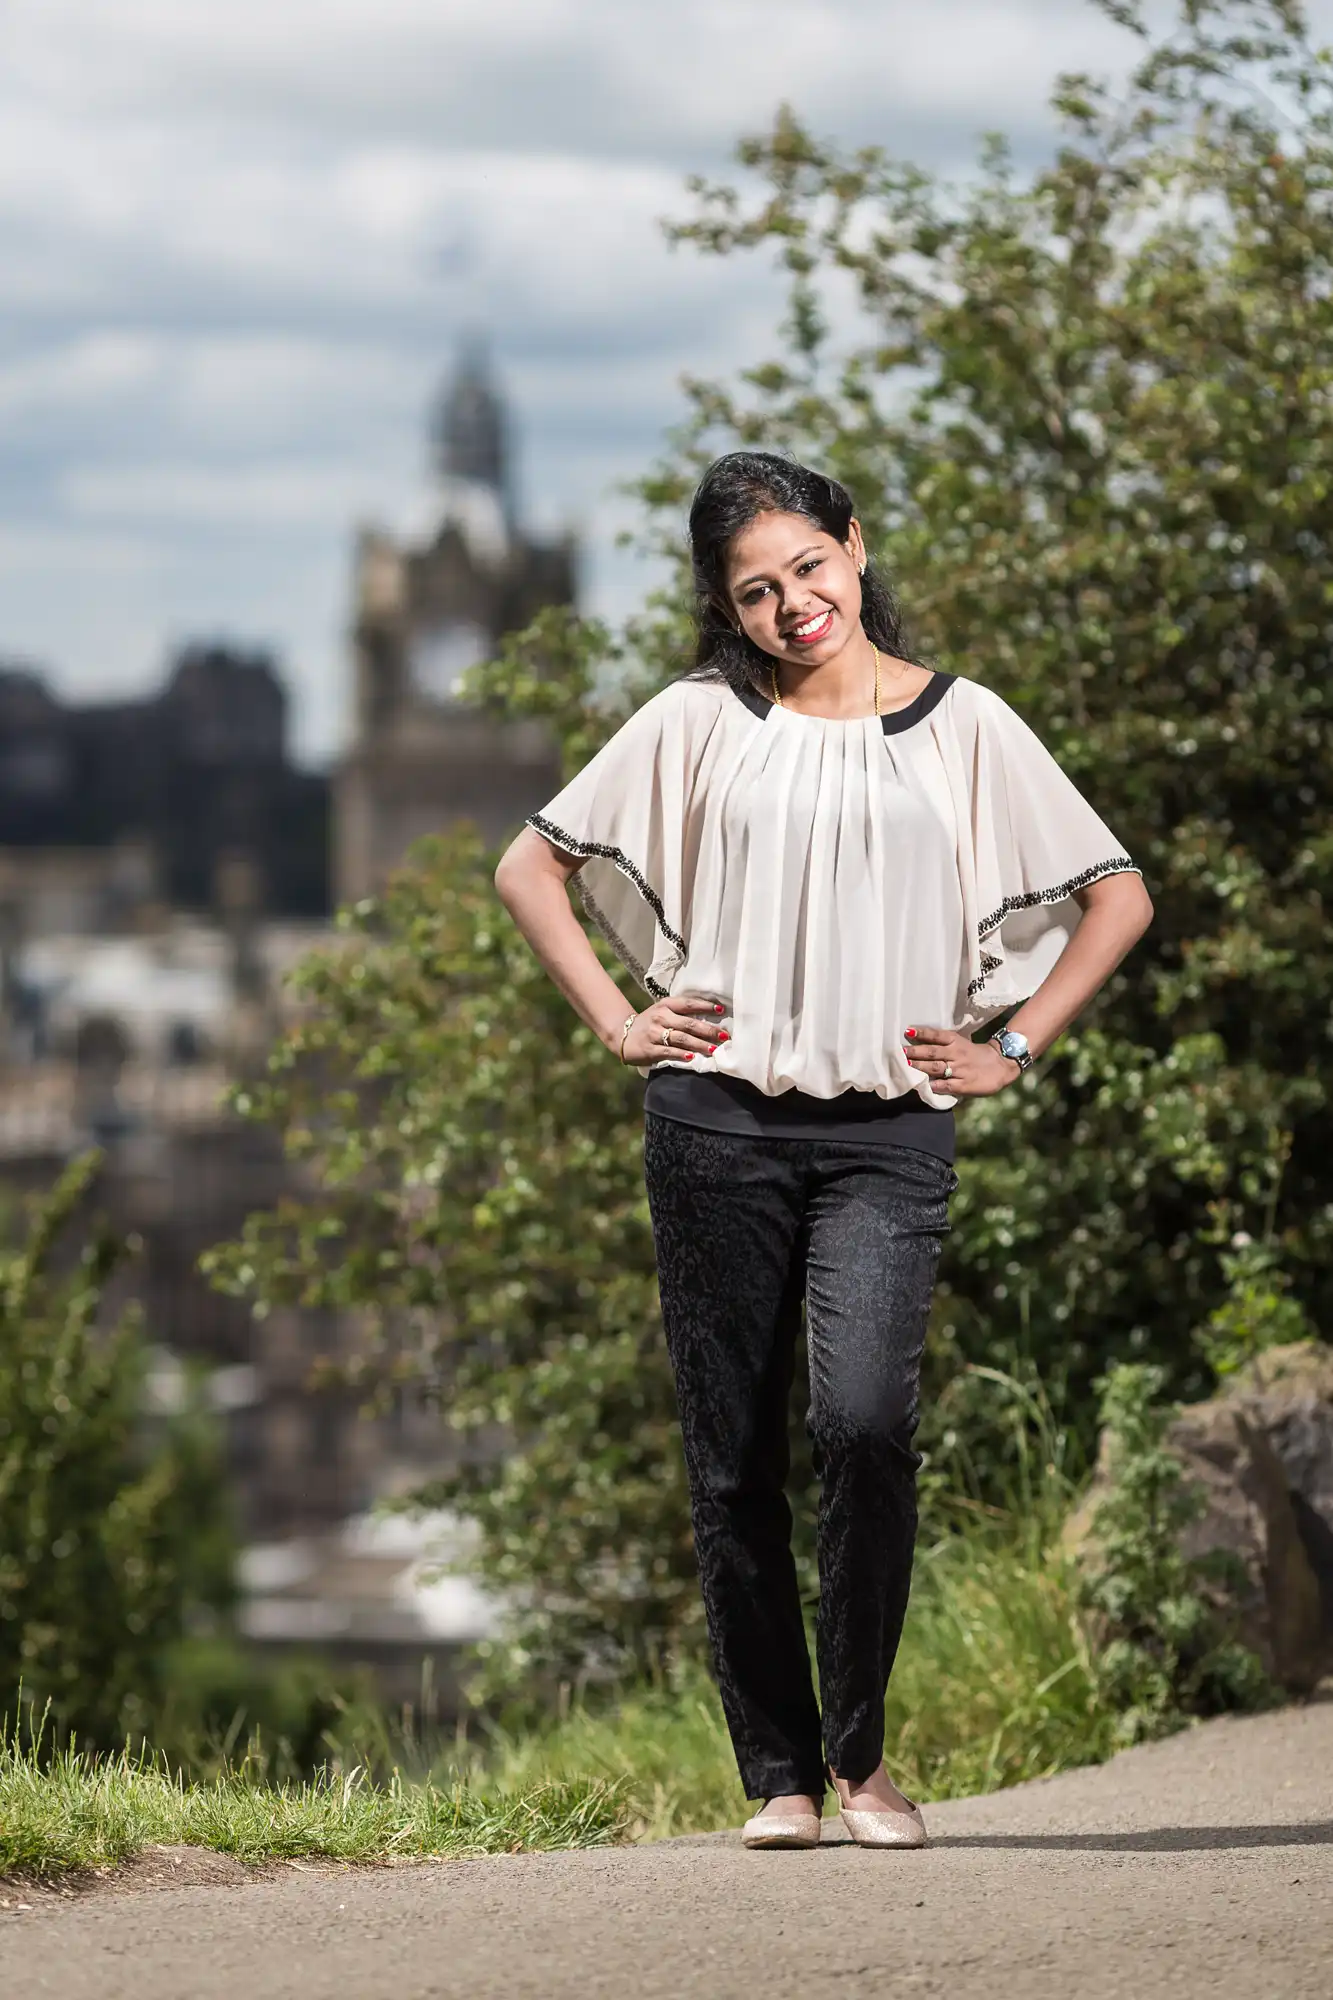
{"type": "Point", "coordinates": [1197, 1866]}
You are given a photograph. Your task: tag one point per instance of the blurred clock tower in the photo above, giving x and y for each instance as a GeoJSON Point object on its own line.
{"type": "Point", "coordinates": [420, 759]}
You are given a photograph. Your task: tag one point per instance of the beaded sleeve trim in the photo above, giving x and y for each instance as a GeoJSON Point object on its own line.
{"type": "Point", "coordinates": [988, 965]}
{"type": "Point", "coordinates": [588, 850]}
{"type": "Point", "coordinates": [1119, 864]}
{"type": "Point", "coordinates": [617, 943]}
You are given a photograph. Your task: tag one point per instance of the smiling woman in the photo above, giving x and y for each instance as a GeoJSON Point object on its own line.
{"type": "Point", "coordinates": [830, 866]}
{"type": "Point", "coordinates": [784, 590]}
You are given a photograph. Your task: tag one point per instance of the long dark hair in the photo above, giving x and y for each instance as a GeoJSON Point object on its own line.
{"type": "Point", "coordinates": [733, 491]}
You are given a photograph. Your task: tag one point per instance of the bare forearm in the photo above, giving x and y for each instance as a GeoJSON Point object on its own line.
{"type": "Point", "coordinates": [531, 884]}
{"type": "Point", "coordinates": [1116, 913]}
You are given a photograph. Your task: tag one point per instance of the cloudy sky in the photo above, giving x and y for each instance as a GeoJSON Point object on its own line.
{"type": "Point", "coordinates": [239, 240]}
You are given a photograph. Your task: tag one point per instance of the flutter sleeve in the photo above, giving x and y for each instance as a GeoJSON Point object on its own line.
{"type": "Point", "coordinates": [1029, 842]}
{"type": "Point", "coordinates": [626, 816]}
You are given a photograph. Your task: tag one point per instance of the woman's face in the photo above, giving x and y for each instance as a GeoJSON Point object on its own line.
{"type": "Point", "coordinates": [793, 589]}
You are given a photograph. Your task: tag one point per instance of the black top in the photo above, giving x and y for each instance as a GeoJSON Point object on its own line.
{"type": "Point", "coordinates": [730, 1104]}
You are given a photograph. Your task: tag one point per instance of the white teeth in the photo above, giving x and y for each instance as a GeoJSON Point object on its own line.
{"type": "Point", "coordinates": [810, 625]}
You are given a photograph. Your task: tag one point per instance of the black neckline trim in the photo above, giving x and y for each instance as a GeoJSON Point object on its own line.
{"type": "Point", "coordinates": [931, 695]}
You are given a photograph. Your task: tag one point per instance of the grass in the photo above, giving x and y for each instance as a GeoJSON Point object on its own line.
{"type": "Point", "coordinates": [993, 1684]}
{"type": "Point", "coordinates": [992, 1687]}
{"type": "Point", "coordinates": [71, 1811]}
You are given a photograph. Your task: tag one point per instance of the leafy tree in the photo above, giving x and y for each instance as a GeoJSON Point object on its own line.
{"type": "Point", "coordinates": [481, 1208]}
{"type": "Point", "coordinates": [111, 1534]}
{"type": "Point", "coordinates": [1089, 418]}
{"type": "Point", "coordinates": [1092, 413]}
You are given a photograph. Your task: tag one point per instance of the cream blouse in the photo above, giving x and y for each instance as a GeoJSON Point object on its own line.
{"type": "Point", "coordinates": [831, 883]}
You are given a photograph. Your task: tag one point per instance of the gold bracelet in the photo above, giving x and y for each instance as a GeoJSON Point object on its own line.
{"type": "Point", "coordinates": [624, 1035]}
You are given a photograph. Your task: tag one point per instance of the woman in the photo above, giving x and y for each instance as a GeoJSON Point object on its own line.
{"type": "Point", "coordinates": [828, 866]}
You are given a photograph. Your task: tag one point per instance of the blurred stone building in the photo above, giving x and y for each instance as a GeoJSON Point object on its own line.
{"type": "Point", "coordinates": [162, 866]}
{"type": "Point", "coordinates": [148, 799]}
{"type": "Point", "coordinates": [128, 1042]}
{"type": "Point", "coordinates": [423, 614]}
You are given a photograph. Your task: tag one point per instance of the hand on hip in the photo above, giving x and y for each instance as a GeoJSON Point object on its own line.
{"type": "Point", "coordinates": [957, 1066]}
{"type": "Point", "coordinates": [674, 1028]}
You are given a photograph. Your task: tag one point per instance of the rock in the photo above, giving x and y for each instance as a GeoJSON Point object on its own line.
{"type": "Point", "coordinates": [1261, 1453]}
{"type": "Point", "coordinates": [1077, 1540]}
{"type": "Point", "coordinates": [1288, 1393]}
{"type": "Point", "coordinates": [1248, 1514]}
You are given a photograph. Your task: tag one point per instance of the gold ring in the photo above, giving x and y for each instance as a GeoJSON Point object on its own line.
{"type": "Point", "coordinates": [666, 1038]}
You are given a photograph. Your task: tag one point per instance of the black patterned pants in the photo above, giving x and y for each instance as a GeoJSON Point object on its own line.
{"type": "Point", "coordinates": [746, 1231]}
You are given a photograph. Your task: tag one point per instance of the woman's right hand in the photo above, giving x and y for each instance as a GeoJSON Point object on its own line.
{"type": "Point", "coordinates": [689, 1024]}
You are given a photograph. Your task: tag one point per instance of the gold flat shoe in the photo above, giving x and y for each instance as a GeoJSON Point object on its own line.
{"type": "Point", "coordinates": [782, 1830]}
{"type": "Point", "coordinates": [885, 1829]}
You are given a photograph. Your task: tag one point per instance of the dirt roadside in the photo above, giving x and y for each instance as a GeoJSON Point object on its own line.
{"type": "Point", "coordinates": [1191, 1867]}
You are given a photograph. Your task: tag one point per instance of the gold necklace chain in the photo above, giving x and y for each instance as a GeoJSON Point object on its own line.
{"type": "Point", "coordinates": [777, 692]}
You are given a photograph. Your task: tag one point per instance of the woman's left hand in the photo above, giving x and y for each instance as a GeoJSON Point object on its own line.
{"type": "Point", "coordinates": [974, 1069]}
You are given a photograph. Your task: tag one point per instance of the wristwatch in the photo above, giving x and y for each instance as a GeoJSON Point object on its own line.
{"type": "Point", "coordinates": [1010, 1043]}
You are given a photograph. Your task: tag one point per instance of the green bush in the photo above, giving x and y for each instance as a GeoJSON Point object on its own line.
{"type": "Point", "coordinates": [112, 1531]}
{"type": "Point", "coordinates": [482, 1210]}
{"type": "Point", "coordinates": [1163, 1655]}
{"type": "Point", "coordinates": [995, 1682]}
{"type": "Point", "coordinates": [1088, 416]}
{"type": "Point", "coordinates": [221, 1704]}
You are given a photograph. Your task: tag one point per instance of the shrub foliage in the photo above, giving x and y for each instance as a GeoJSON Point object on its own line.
{"type": "Point", "coordinates": [111, 1534]}
{"type": "Point", "coordinates": [1168, 1653]}
{"type": "Point", "coordinates": [1089, 416]}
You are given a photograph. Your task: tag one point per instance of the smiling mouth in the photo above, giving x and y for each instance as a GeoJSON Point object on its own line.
{"type": "Point", "coordinates": [812, 631]}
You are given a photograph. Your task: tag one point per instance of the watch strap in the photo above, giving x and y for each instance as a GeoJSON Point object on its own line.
{"type": "Point", "coordinates": [1023, 1058]}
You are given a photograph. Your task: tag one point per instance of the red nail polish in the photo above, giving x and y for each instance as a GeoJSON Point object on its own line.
{"type": "Point", "coordinates": [713, 1050]}
{"type": "Point", "coordinates": [690, 1056]}
{"type": "Point", "coordinates": [722, 1035]}
{"type": "Point", "coordinates": [911, 1034]}
{"type": "Point", "coordinates": [718, 1008]}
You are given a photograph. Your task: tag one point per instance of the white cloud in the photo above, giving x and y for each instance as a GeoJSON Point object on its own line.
{"type": "Point", "coordinates": [52, 557]}
{"type": "Point", "coordinates": [79, 374]}
{"type": "Point", "coordinates": [262, 497]}
{"type": "Point", "coordinates": [611, 75]}
{"type": "Point", "coordinates": [238, 242]}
